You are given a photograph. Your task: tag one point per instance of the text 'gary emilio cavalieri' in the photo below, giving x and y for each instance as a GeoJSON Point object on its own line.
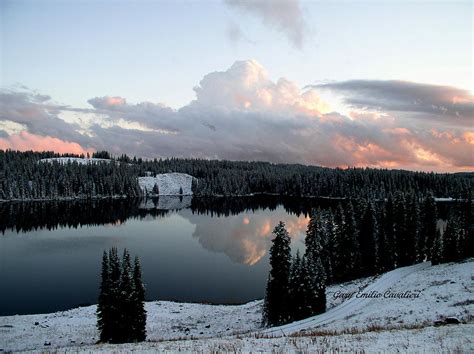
{"type": "Point", "coordinates": [374, 294]}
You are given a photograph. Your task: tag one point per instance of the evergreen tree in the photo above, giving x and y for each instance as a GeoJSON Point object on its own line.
{"type": "Point", "coordinates": [368, 237]}
{"type": "Point", "coordinates": [126, 301]}
{"type": "Point", "coordinates": [450, 251]}
{"type": "Point", "coordinates": [115, 310]}
{"type": "Point", "coordinates": [139, 320]}
{"type": "Point", "coordinates": [466, 237]}
{"type": "Point", "coordinates": [103, 307]}
{"type": "Point", "coordinates": [297, 301]}
{"type": "Point", "coordinates": [407, 248]}
{"type": "Point", "coordinates": [428, 227]}
{"type": "Point", "coordinates": [313, 268]}
{"type": "Point", "coordinates": [276, 311]}
{"type": "Point", "coordinates": [399, 226]}
{"type": "Point", "coordinates": [436, 251]}
{"type": "Point", "coordinates": [121, 315]}
{"type": "Point", "coordinates": [389, 232]}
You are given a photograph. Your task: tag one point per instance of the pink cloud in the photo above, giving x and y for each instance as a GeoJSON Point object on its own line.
{"type": "Point", "coordinates": [26, 141]}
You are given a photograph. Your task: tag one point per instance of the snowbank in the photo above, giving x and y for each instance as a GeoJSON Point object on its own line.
{"type": "Point", "coordinates": [168, 184]}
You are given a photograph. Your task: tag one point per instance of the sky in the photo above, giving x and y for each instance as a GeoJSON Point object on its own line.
{"type": "Point", "coordinates": [384, 84]}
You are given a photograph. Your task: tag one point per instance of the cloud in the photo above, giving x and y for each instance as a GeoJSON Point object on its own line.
{"type": "Point", "coordinates": [283, 15]}
{"type": "Point", "coordinates": [26, 141]}
{"type": "Point", "coordinates": [244, 238]}
{"type": "Point", "coordinates": [449, 104]}
{"type": "Point", "coordinates": [241, 114]}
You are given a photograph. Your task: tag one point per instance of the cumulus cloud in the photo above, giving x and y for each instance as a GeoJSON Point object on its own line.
{"type": "Point", "coordinates": [244, 238]}
{"type": "Point", "coordinates": [283, 15]}
{"type": "Point", "coordinates": [241, 114]}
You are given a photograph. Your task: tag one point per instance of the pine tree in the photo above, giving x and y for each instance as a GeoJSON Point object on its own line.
{"type": "Point", "coordinates": [126, 302]}
{"type": "Point", "coordinates": [103, 307]}
{"type": "Point", "coordinates": [368, 237]}
{"type": "Point", "coordinates": [389, 234]}
{"type": "Point", "coordinates": [383, 252]}
{"type": "Point", "coordinates": [312, 265]}
{"type": "Point", "coordinates": [115, 275]}
{"type": "Point", "coordinates": [407, 248]}
{"type": "Point", "coordinates": [276, 311]}
{"type": "Point", "coordinates": [296, 296]}
{"type": "Point", "coordinates": [139, 320]}
{"type": "Point", "coordinates": [121, 315]}
{"type": "Point", "coordinates": [428, 227]}
{"type": "Point", "coordinates": [450, 241]}
{"type": "Point", "coordinates": [399, 226]}
{"type": "Point", "coordinates": [436, 251]}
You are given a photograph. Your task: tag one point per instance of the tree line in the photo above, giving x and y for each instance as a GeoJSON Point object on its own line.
{"type": "Point", "coordinates": [360, 238]}
{"type": "Point", "coordinates": [23, 177]}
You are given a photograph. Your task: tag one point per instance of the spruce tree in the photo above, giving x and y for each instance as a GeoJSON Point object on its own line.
{"type": "Point", "coordinates": [103, 307]}
{"type": "Point", "coordinates": [389, 235]}
{"type": "Point", "coordinates": [450, 241]}
{"type": "Point", "coordinates": [400, 231]}
{"type": "Point", "coordinates": [125, 299]}
{"type": "Point", "coordinates": [428, 227]}
{"type": "Point", "coordinates": [368, 237]}
{"type": "Point", "coordinates": [115, 310]}
{"type": "Point", "coordinates": [313, 268]}
{"type": "Point", "coordinates": [276, 311]}
{"type": "Point", "coordinates": [121, 315]}
{"type": "Point", "coordinates": [297, 300]}
{"type": "Point", "coordinates": [436, 251]}
{"type": "Point", "coordinates": [139, 320]}
{"type": "Point", "coordinates": [408, 249]}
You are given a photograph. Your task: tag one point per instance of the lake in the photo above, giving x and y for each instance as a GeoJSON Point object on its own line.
{"type": "Point", "coordinates": [201, 250]}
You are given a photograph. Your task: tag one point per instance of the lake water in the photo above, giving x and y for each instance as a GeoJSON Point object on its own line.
{"type": "Point", "coordinates": [210, 250]}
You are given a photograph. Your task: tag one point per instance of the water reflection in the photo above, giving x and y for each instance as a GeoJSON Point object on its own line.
{"type": "Point", "coordinates": [213, 250]}
{"type": "Point", "coordinates": [245, 238]}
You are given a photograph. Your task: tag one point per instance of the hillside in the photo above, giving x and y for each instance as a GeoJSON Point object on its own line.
{"type": "Point", "coordinates": [394, 323]}
{"type": "Point", "coordinates": [168, 184]}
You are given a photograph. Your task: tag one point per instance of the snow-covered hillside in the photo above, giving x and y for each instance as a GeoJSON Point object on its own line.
{"type": "Point", "coordinates": [78, 160]}
{"type": "Point", "coordinates": [168, 184]}
{"type": "Point", "coordinates": [383, 324]}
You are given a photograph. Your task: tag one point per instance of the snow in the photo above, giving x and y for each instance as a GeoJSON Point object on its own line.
{"type": "Point", "coordinates": [78, 160]}
{"type": "Point", "coordinates": [373, 325]}
{"type": "Point", "coordinates": [168, 183]}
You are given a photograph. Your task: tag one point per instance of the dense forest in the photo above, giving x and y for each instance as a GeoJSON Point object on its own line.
{"type": "Point", "coordinates": [24, 177]}
{"type": "Point", "coordinates": [358, 239]}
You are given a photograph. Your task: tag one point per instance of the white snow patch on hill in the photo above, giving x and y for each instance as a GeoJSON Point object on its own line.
{"type": "Point", "coordinates": [168, 184]}
{"type": "Point", "coordinates": [78, 160]}
{"type": "Point", "coordinates": [382, 325]}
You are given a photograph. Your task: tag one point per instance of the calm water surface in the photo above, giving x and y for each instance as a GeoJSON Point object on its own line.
{"type": "Point", "coordinates": [209, 251]}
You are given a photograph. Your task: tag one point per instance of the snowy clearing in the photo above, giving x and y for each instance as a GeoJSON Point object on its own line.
{"type": "Point", "coordinates": [375, 324]}
{"type": "Point", "coordinates": [168, 184]}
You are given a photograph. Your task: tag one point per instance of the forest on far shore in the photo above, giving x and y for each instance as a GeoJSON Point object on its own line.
{"type": "Point", "coordinates": [24, 177]}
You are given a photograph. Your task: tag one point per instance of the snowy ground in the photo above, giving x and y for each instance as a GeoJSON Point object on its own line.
{"type": "Point", "coordinates": [168, 184]}
{"type": "Point", "coordinates": [381, 324]}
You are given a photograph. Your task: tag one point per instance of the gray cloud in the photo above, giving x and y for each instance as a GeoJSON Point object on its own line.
{"type": "Point", "coordinates": [240, 114]}
{"type": "Point", "coordinates": [283, 15]}
{"type": "Point", "coordinates": [452, 105]}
